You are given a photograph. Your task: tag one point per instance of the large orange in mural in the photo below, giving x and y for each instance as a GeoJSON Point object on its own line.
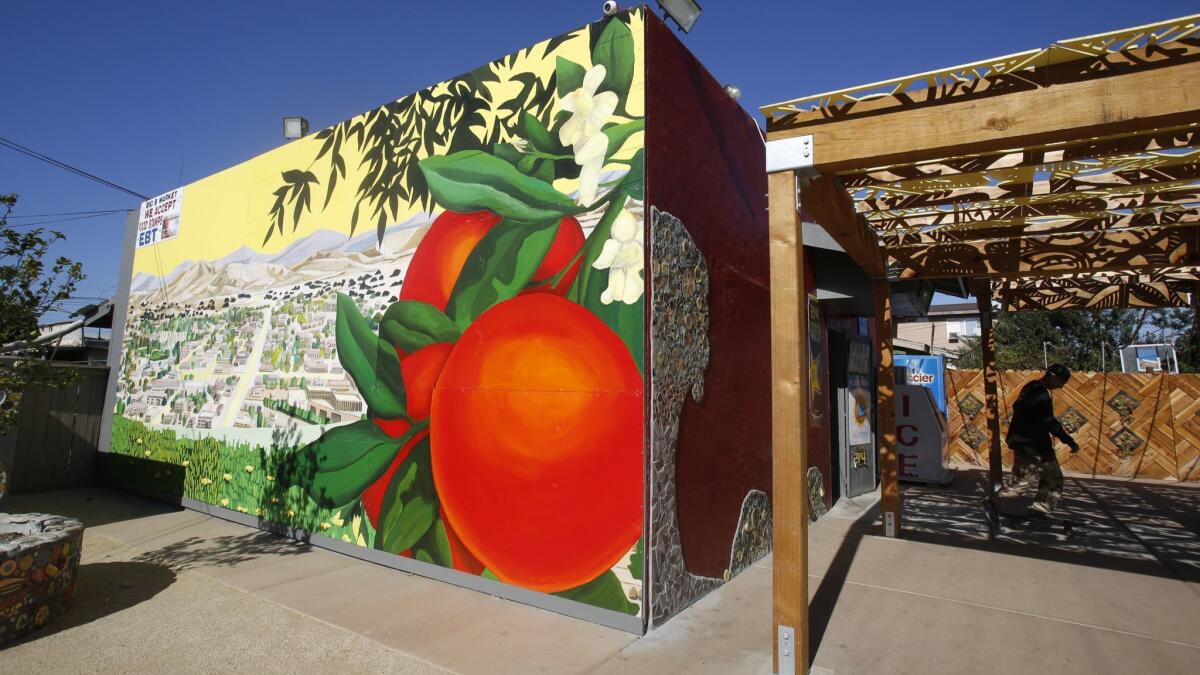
{"type": "Point", "coordinates": [439, 260]}
{"type": "Point", "coordinates": [537, 443]}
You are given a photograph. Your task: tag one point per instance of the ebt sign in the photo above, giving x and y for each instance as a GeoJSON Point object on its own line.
{"type": "Point", "coordinates": [159, 218]}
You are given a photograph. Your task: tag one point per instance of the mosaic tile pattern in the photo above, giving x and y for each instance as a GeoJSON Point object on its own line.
{"type": "Point", "coordinates": [1127, 442]}
{"type": "Point", "coordinates": [1123, 403]}
{"type": "Point", "coordinates": [753, 537]}
{"type": "Point", "coordinates": [679, 358]}
{"type": "Point", "coordinates": [39, 559]}
{"type": "Point", "coordinates": [970, 406]}
{"type": "Point", "coordinates": [1072, 420]}
{"type": "Point", "coordinates": [816, 494]}
{"type": "Point", "coordinates": [973, 437]}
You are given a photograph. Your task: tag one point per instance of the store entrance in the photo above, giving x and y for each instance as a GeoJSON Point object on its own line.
{"type": "Point", "coordinates": [852, 438]}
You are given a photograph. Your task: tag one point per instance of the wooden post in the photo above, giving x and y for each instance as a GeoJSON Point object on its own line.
{"type": "Point", "coordinates": [987, 344]}
{"type": "Point", "coordinates": [789, 421]}
{"type": "Point", "coordinates": [885, 397]}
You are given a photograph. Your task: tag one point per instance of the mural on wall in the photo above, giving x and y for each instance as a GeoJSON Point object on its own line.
{"type": "Point", "coordinates": [816, 362]}
{"type": "Point", "coordinates": [424, 332]}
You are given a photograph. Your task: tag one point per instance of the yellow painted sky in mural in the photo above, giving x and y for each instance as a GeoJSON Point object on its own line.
{"type": "Point", "coordinates": [231, 209]}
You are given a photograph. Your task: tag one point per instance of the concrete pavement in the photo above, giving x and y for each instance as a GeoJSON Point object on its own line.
{"type": "Point", "coordinates": [165, 589]}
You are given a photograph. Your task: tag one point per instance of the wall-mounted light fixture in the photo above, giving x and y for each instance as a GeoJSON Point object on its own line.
{"type": "Point", "coordinates": [684, 12]}
{"type": "Point", "coordinates": [294, 127]}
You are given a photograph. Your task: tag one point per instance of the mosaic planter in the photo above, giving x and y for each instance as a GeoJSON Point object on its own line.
{"type": "Point", "coordinates": [39, 558]}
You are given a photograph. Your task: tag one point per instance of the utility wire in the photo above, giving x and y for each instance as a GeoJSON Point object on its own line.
{"type": "Point", "coordinates": [65, 213]}
{"type": "Point", "coordinates": [4, 142]}
{"type": "Point", "coordinates": [55, 222]}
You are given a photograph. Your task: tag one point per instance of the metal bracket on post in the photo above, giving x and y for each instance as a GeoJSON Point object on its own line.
{"type": "Point", "coordinates": [791, 154]}
{"type": "Point", "coordinates": [787, 650]}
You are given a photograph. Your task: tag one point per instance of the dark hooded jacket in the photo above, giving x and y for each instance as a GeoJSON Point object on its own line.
{"type": "Point", "coordinates": [1033, 421]}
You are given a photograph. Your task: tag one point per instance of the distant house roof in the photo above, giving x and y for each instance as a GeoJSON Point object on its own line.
{"type": "Point", "coordinates": [953, 309]}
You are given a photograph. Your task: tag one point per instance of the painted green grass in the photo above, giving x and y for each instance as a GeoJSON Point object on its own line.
{"type": "Point", "coordinates": [235, 476]}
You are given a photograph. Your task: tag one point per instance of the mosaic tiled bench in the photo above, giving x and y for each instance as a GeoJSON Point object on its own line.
{"type": "Point", "coordinates": [39, 558]}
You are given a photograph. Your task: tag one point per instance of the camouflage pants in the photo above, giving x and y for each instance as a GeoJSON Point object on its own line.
{"type": "Point", "coordinates": [1028, 467]}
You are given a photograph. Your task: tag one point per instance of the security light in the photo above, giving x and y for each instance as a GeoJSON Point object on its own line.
{"type": "Point", "coordinates": [684, 12]}
{"type": "Point", "coordinates": [294, 127]}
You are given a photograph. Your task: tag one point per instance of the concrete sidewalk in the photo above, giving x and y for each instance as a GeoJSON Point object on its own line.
{"type": "Point", "coordinates": [163, 589]}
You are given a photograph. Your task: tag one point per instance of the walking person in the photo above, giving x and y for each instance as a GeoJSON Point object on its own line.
{"type": "Point", "coordinates": [1029, 437]}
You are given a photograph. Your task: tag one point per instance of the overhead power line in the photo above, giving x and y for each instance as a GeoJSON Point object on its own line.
{"type": "Point", "coordinates": [4, 142]}
{"type": "Point", "coordinates": [18, 226]}
{"type": "Point", "coordinates": [65, 213]}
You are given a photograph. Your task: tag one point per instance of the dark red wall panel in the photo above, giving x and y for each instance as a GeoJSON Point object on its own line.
{"type": "Point", "coordinates": [705, 164]}
{"type": "Point", "coordinates": [819, 454]}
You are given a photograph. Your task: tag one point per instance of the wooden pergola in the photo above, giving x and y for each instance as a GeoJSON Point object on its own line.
{"type": "Point", "coordinates": [1059, 178]}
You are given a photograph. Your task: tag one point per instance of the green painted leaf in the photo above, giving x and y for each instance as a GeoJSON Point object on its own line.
{"type": "Point", "coordinates": [539, 136]}
{"type": "Point", "coordinates": [636, 561]}
{"type": "Point", "coordinates": [370, 361]}
{"type": "Point", "coordinates": [568, 76]}
{"type": "Point", "coordinates": [473, 180]}
{"type": "Point", "coordinates": [627, 321]}
{"type": "Point", "coordinates": [338, 466]}
{"type": "Point", "coordinates": [434, 547]}
{"type": "Point", "coordinates": [619, 133]}
{"type": "Point", "coordinates": [410, 504]}
{"type": "Point", "coordinates": [614, 50]}
{"type": "Point", "coordinates": [604, 591]}
{"type": "Point", "coordinates": [593, 246]}
{"type": "Point", "coordinates": [507, 152]}
{"type": "Point", "coordinates": [501, 266]}
{"type": "Point", "coordinates": [634, 182]}
{"type": "Point", "coordinates": [526, 164]}
{"type": "Point", "coordinates": [488, 574]}
{"type": "Point", "coordinates": [411, 325]}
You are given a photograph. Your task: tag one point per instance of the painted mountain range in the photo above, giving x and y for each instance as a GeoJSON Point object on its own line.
{"type": "Point", "coordinates": [248, 271]}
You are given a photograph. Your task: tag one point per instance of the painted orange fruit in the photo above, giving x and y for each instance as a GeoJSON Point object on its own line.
{"type": "Point", "coordinates": [536, 440]}
{"type": "Point", "coordinates": [438, 261]}
{"type": "Point", "coordinates": [563, 250]}
{"type": "Point", "coordinates": [440, 256]}
{"type": "Point", "coordinates": [419, 371]}
{"type": "Point", "coordinates": [462, 558]}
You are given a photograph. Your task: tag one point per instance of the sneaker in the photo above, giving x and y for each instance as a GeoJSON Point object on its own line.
{"type": "Point", "coordinates": [1041, 508]}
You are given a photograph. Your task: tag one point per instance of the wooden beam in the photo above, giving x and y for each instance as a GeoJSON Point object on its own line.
{"type": "Point", "coordinates": [830, 205]}
{"type": "Point", "coordinates": [1089, 183]}
{"type": "Point", "coordinates": [1131, 103]}
{"type": "Point", "coordinates": [1152, 249]}
{"type": "Point", "coordinates": [1140, 150]}
{"type": "Point", "coordinates": [885, 399]}
{"type": "Point", "coordinates": [789, 420]}
{"type": "Point", "coordinates": [1186, 274]}
{"type": "Point", "coordinates": [1096, 295]}
{"type": "Point", "coordinates": [991, 399]}
{"type": "Point", "coordinates": [1183, 195]}
{"type": "Point", "coordinates": [991, 230]}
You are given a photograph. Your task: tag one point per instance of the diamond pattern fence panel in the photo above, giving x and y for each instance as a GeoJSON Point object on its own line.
{"type": "Point", "coordinates": [1133, 426]}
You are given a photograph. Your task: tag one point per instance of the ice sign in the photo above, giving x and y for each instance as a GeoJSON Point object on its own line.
{"type": "Point", "coordinates": [923, 371]}
{"type": "Point", "coordinates": [159, 218]}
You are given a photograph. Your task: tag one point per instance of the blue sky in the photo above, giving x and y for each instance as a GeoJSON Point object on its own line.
{"type": "Point", "coordinates": [151, 95]}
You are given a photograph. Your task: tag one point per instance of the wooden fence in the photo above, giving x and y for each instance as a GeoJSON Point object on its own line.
{"type": "Point", "coordinates": [55, 443]}
{"type": "Point", "coordinates": [1134, 426]}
